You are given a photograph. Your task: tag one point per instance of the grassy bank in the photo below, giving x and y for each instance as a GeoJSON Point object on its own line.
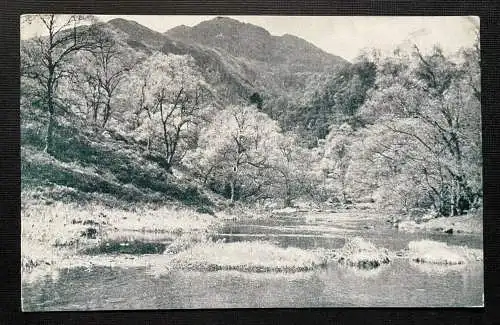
{"type": "Point", "coordinates": [61, 234]}
{"type": "Point", "coordinates": [433, 252]}
{"type": "Point", "coordinates": [461, 224]}
{"type": "Point", "coordinates": [64, 224]}
{"type": "Point", "coordinates": [100, 195]}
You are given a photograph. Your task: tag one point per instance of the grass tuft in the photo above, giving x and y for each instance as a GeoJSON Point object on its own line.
{"type": "Point", "coordinates": [428, 251]}
{"type": "Point", "coordinates": [361, 253]}
{"type": "Point", "coordinates": [255, 256]}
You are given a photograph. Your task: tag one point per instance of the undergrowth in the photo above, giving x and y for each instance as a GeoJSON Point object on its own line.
{"type": "Point", "coordinates": [91, 165]}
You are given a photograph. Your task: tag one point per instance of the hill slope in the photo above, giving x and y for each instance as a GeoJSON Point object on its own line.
{"type": "Point", "coordinates": [273, 64]}
{"type": "Point", "coordinates": [226, 76]}
{"type": "Point", "coordinates": [239, 60]}
{"type": "Point", "coordinates": [254, 43]}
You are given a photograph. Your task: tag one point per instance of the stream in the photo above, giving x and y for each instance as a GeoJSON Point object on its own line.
{"type": "Point", "coordinates": [400, 283]}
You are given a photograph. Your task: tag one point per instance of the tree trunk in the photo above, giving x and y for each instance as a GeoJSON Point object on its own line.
{"type": "Point", "coordinates": [232, 191]}
{"type": "Point", "coordinates": [453, 198]}
{"type": "Point", "coordinates": [169, 163]}
{"type": "Point", "coordinates": [107, 113]}
{"type": "Point", "coordinates": [288, 200]}
{"type": "Point", "coordinates": [95, 113]}
{"type": "Point", "coordinates": [172, 149]}
{"type": "Point", "coordinates": [49, 139]}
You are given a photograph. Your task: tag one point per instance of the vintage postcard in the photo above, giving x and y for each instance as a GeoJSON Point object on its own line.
{"type": "Point", "coordinates": [180, 162]}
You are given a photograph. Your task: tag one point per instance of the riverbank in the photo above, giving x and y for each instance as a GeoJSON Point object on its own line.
{"type": "Point", "coordinates": [60, 236]}
{"type": "Point", "coordinates": [433, 252]}
{"type": "Point", "coordinates": [57, 235]}
{"type": "Point", "coordinates": [467, 224]}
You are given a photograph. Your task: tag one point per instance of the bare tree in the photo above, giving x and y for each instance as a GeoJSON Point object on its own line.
{"type": "Point", "coordinates": [181, 112]}
{"type": "Point", "coordinates": [175, 99]}
{"type": "Point", "coordinates": [111, 68]}
{"type": "Point", "coordinates": [44, 58]}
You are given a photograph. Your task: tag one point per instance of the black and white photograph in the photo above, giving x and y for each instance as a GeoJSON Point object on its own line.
{"type": "Point", "coordinates": [219, 162]}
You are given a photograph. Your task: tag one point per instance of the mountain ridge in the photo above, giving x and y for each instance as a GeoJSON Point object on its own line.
{"type": "Point", "coordinates": [250, 41]}
{"type": "Point", "coordinates": [240, 58]}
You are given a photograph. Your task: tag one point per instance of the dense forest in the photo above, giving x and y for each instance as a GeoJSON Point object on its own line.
{"type": "Point", "coordinates": [401, 131]}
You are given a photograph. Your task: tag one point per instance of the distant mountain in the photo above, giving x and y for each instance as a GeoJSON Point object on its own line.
{"type": "Point", "coordinates": [272, 64]}
{"type": "Point", "coordinates": [223, 73]}
{"type": "Point", "coordinates": [293, 81]}
{"type": "Point", "coordinates": [138, 32]}
{"type": "Point", "coordinates": [254, 43]}
{"type": "Point", "coordinates": [240, 59]}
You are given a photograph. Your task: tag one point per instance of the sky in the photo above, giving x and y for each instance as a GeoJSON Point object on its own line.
{"type": "Point", "coordinates": [345, 36]}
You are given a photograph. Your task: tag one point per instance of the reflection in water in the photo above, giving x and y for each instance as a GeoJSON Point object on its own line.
{"type": "Point", "coordinates": [397, 284]}
{"type": "Point", "coordinates": [401, 283]}
{"type": "Point", "coordinates": [382, 234]}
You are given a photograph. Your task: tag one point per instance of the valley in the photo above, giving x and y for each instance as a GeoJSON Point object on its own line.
{"type": "Point", "coordinates": [178, 169]}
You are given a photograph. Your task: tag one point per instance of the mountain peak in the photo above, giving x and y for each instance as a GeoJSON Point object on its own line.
{"type": "Point", "coordinates": [227, 24]}
{"type": "Point", "coordinates": [138, 32]}
{"type": "Point", "coordinates": [119, 21]}
{"type": "Point", "coordinates": [181, 29]}
{"type": "Point", "coordinates": [290, 36]}
{"type": "Point", "coordinates": [227, 19]}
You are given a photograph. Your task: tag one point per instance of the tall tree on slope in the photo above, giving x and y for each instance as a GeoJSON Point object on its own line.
{"type": "Point", "coordinates": [44, 58]}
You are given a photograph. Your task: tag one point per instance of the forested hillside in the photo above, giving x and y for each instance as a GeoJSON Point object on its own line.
{"type": "Point", "coordinates": [225, 112]}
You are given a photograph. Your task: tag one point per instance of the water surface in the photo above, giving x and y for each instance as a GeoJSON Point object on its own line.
{"type": "Point", "coordinates": [401, 283]}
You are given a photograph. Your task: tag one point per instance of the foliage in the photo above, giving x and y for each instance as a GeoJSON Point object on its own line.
{"type": "Point", "coordinates": [243, 155]}
{"type": "Point", "coordinates": [415, 141]}
{"type": "Point", "coordinates": [402, 130]}
{"type": "Point", "coordinates": [256, 99]}
{"type": "Point", "coordinates": [96, 84]}
{"type": "Point", "coordinates": [426, 104]}
{"type": "Point", "coordinates": [331, 104]}
{"type": "Point", "coordinates": [170, 101]}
